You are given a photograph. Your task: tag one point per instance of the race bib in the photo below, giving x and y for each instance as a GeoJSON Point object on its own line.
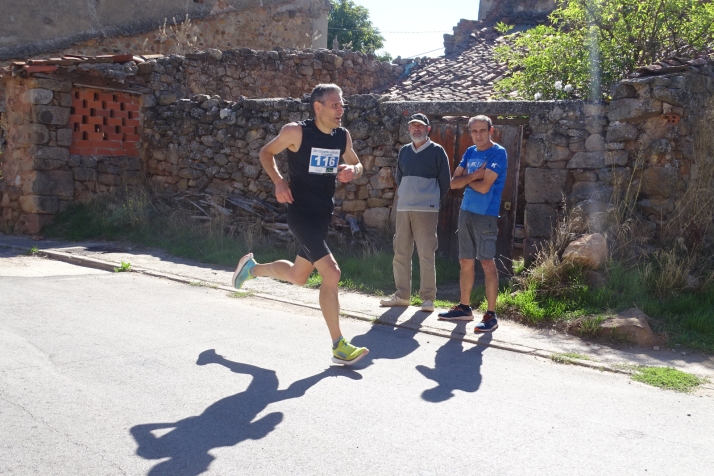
{"type": "Point", "coordinates": [324, 161]}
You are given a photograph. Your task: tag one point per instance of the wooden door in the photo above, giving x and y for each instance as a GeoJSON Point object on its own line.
{"type": "Point", "coordinates": [455, 139]}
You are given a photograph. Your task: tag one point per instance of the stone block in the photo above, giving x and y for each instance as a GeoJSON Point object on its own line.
{"type": "Point", "coordinates": [383, 179]}
{"type": "Point", "coordinates": [633, 110]}
{"type": "Point", "coordinates": [540, 220]}
{"type": "Point", "coordinates": [360, 129]}
{"type": "Point", "coordinates": [535, 152]}
{"type": "Point", "coordinates": [676, 97]}
{"type": "Point", "coordinates": [34, 222]}
{"type": "Point", "coordinates": [630, 325]}
{"type": "Point", "coordinates": [557, 153]}
{"type": "Point", "coordinates": [108, 179]}
{"type": "Point", "coordinates": [51, 84]}
{"type": "Point", "coordinates": [167, 99]}
{"type": "Point", "coordinates": [29, 134]}
{"type": "Point", "coordinates": [379, 137]}
{"type": "Point", "coordinates": [595, 143]}
{"type": "Point", "coordinates": [53, 115]}
{"type": "Point", "coordinates": [85, 174]}
{"type": "Point", "coordinates": [352, 206]}
{"type": "Point", "coordinates": [47, 164]}
{"type": "Point", "coordinates": [621, 91]}
{"type": "Point", "coordinates": [55, 182]}
{"type": "Point", "coordinates": [545, 185]}
{"type": "Point", "coordinates": [589, 250]}
{"type": "Point", "coordinates": [658, 208]}
{"type": "Point", "coordinates": [376, 202]}
{"type": "Point", "coordinates": [376, 217]}
{"type": "Point", "coordinates": [64, 137]}
{"type": "Point", "coordinates": [39, 96]}
{"type": "Point", "coordinates": [615, 175]}
{"type": "Point", "coordinates": [39, 203]}
{"type": "Point", "coordinates": [583, 191]}
{"type": "Point", "coordinates": [587, 160]}
{"type": "Point", "coordinates": [616, 157]}
{"type": "Point", "coordinates": [621, 131]}
{"type": "Point", "coordinates": [50, 153]}
{"type": "Point", "coordinates": [660, 181]}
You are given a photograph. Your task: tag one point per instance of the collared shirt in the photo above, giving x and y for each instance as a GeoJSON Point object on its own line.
{"type": "Point", "coordinates": [423, 146]}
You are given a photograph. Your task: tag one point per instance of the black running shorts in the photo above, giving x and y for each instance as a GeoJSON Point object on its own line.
{"type": "Point", "coordinates": [310, 230]}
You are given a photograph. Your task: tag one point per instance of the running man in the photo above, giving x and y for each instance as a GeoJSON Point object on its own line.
{"type": "Point", "coordinates": [314, 149]}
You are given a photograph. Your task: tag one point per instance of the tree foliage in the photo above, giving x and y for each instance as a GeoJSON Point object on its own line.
{"type": "Point", "coordinates": [591, 44]}
{"type": "Point", "coordinates": [350, 24]}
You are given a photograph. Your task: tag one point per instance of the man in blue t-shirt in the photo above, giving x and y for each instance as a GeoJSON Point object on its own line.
{"type": "Point", "coordinates": [483, 172]}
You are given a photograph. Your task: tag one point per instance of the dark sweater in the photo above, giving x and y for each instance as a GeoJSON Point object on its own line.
{"type": "Point", "coordinates": [422, 178]}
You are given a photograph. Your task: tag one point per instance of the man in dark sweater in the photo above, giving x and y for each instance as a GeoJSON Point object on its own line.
{"type": "Point", "coordinates": [423, 179]}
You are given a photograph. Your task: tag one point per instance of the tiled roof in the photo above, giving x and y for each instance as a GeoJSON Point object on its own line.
{"type": "Point", "coordinates": [465, 75]}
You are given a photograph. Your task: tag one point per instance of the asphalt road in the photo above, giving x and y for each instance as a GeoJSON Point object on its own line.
{"type": "Point", "coordinates": [120, 373]}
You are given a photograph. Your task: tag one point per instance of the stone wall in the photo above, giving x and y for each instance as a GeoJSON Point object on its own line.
{"type": "Point", "coordinates": [262, 74]}
{"type": "Point", "coordinates": [137, 26]}
{"type": "Point", "coordinates": [206, 142]}
{"type": "Point", "coordinates": [40, 176]}
{"type": "Point", "coordinates": [653, 135]}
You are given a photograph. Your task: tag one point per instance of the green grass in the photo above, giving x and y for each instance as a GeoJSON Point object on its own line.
{"type": "Point", "coordinates": [686, 318]}
{"type": "Point", "coordinates": [33, 251]}
{"type": "Point", "coordinates": [124, 267]}
{"type": "Point", "coordinates": [134, 218]}
{"type": "Point", "coordinates": [668, 378]}
{"type": "Point", "coordinates": [568, 357]}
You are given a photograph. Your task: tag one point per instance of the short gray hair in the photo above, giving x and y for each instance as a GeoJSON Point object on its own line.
{"type": "Point", "coordinates": [322, 90]}
{"type": "Point", "coordinates": [481, 118]}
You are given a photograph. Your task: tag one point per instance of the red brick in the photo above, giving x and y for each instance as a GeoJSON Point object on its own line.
{"type": "Point", "coordinates": [102, 112]}
{"type": "Point", "coordinates": [82, 151]}
{"type": "Point", "coordinates": [108, 129]}
{"type": "Point", "coordinates": [86, 94]}
{"type": "Point", "coordinates": [95, 120]}
{"type": "Point", "coordinates": [131, 123]}
{"type": "Point", "coordinates": [131, 137]}
{"type": "Point", "coordinates": [106, 97]}
{"type": "Point", "coordinates": [130, 149]}
{"type": "Point", "coordinates": [107, 144]}
{"type": "Point", "coordinates": [80, 111]}
{"type": "Point", "coordinates": [131, 107]}
{"type": "Point", "coordinates": [115, 106]}
{"type": "Point", "coordinates": [40, 69]}
{"type": "Point", "coordinates": [122, 114]}
{"type": "Point", "coordinates": [82, 144]}
{"type": "Point", "coordinates": [128, 130]}
{"type": "Point", "coordinates": [77, 103]}
{"type": "Point", "coordinates": [112, 136]}
{"type": "Point", "coordinates": [114, 121]}
{"type": "Point", "coordinates": [87, 127]}
{"type": "Point", "coordinates": [95, 136]}
{"type": "Point", "coordinates": [75, 118]}
{"type": "Point", "coordinates": [95, 104]}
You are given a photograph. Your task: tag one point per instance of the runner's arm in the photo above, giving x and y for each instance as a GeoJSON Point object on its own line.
{"type": "Point", "coordinates": [352, 168]}
{"type": "Point", "coordinates": [290, 137]}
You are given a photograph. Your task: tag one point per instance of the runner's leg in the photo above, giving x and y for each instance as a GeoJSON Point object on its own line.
{"type": "Point", "coordinates": [329, 297]}
{"type": "Point", "coordinates": [284, 270]}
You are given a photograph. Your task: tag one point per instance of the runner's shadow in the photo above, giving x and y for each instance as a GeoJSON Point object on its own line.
{"type": "Point", "coordinates": [454, 368]}
{"type": "Point", "coordinates": [387, 341]}
{"type": "Point", "coordinates": [227, 422]}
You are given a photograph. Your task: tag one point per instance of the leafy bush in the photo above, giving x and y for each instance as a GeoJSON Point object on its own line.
{"type": "Point", "coordinates": [591, 44]}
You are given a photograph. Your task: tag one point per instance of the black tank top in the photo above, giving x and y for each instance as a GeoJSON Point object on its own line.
{"type": "Point", "coordinates": [313, 168]}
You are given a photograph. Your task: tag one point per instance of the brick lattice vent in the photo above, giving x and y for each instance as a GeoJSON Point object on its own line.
{"type": "Point", "coordinates": [104, 123]}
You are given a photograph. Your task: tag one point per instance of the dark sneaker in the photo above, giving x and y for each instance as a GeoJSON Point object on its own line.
{"type": "Point", "coordinates": [488, 324]}
{"type": "Point", "coordinates": [457, 313]}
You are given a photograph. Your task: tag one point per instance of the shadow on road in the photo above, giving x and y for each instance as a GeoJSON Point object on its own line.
{"type": "Point", "coordinates": [454, 368]}
{"type": "Point", "coordinates": [225, 423]}
{"type": "Point", "coordinates": [387, 341]}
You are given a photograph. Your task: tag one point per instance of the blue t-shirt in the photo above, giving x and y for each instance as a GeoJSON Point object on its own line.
{"type": "Point", "coordinates": [488, 203]}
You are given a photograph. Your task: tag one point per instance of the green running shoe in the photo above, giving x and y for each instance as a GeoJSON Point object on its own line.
{"type": "Point", "coordinates": [346, 353]}
{"type": "Point", "coordinates": [242, 272]}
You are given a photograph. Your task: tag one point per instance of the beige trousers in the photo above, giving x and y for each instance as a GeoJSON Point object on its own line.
{"type": "Point", "coordinates": [419, 228]}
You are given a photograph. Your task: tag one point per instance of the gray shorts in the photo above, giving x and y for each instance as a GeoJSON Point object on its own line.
{"type": "Point", "coordinates": [477, 235]}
